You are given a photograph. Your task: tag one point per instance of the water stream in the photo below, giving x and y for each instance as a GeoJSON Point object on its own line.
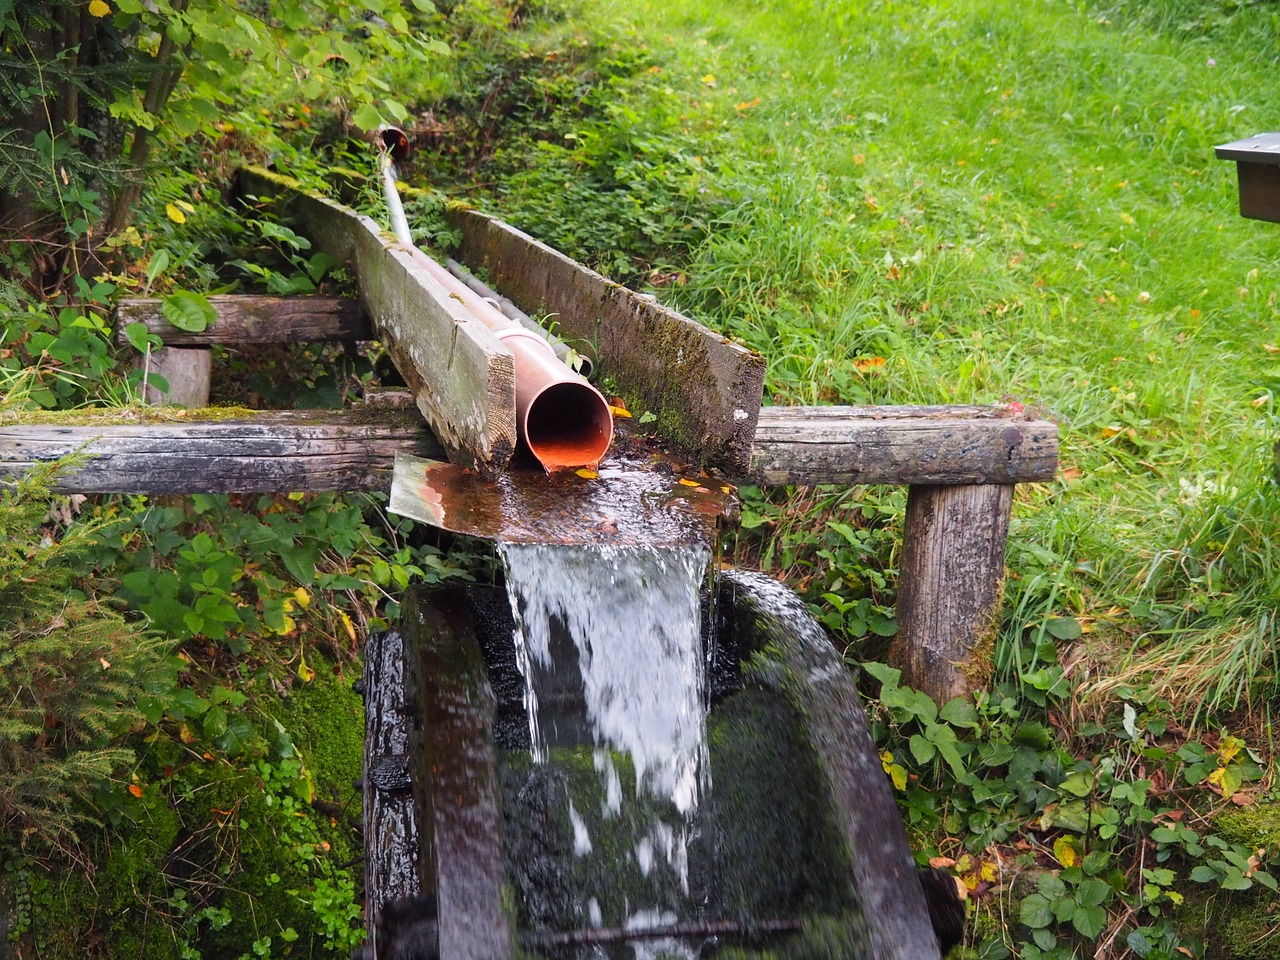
{"type": "Point", "coordinates": [608, 641]}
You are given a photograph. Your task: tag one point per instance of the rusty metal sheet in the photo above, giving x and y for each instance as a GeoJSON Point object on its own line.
{"type": "Point", "coordinates": [633, 498]}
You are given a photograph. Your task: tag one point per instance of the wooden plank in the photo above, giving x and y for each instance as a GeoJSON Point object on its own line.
{"type": "Point", "coordinates": [463, 379]}
{"type": "Point", "coordinates": [271, 452]}
{"type": "Point", "coordinates": [704, 389]}
{"type": "Point", "coordinates": [254, 319]}
{"type": "Point", "coordinates": [911, 445]}
{"type": "Point", "coordinates": [950, 585]}
{"type": "Point", "coordinates": [455, 778]}
{"type": "Point", "coordinates": [769, 617]}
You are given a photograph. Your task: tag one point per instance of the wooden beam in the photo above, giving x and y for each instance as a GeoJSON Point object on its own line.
{"type": "Point", "coordinates": [462, 377]}
{"type": "Point", "coordinates": [279, 451]}
{"type": "Point", "coordinates": [950, 585]}
{"type": "Point", "coordinates": [704, 389]}
{"type": "Point", "coordinates": [254, 319]}
{"type": "Point", "coordinates": [901, 445]}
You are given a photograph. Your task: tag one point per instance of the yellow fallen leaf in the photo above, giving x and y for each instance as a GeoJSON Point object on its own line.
{"type": "Point", "coordinates": [748, 104]}
{"type": "Point", "coordinates": [1271, 348]}
{"type": "Point", "coordinates": [176, 215]}
{"type": "Point", "coordinates": [586, 474]}
{"type": "Point", "coordinates": [304, 671]}
{"type": "Point", "coordinates": [346, 622]}
{"type": "Point", "coordinates": [689, 483]}
{"type": "Point", "coordinates": [303, 598]}
{"type": "Point", "coordinates": [709, 79]}
{"type": "Point", "coordinates": [133, 787]}
{"type": "Point", "coordinates": [621, 412]}
{"type": "Point", "coordinates": [1065, 851]}
{"type": "Point", "coordinates": [99, 9]}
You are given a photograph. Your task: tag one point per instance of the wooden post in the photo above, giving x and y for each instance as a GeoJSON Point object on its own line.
{"type": "Point", "coordinates": [950, 585]}
{"type": "Point", "coordinates": [187, 371]}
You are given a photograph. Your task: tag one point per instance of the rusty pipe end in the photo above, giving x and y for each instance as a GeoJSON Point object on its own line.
{"type": "Point", "coordinates": [568, 425]}
{"type": "Point", "coordinates": [395, 141]}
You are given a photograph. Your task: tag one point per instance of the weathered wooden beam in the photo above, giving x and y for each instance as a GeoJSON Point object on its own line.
{"type": "Point", "coordinates": [462, 377]}
{"type": "Point", "coordinates": [254, 319]}
{"type": "Point", "coordinates": [901, 445]}
{"type": "Point", "coordinates": [269, 452]}
{"type": "Point", "coordinates": [950, 584]}
{"type": "Point", "coordinates": [704, 389]}
{"type": "Point", "coordinates": [455, 778]}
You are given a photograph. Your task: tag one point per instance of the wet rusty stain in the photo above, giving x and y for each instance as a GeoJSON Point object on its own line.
{"type": "Point", "coordinates": [636, 496]}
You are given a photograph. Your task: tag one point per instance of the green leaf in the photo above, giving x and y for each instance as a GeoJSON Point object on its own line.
{"type": "Point", "coordinates": [1078, 784]}
{"type": "Point", "coordinates": [1064, 628]}
{"type": "Point", "coordinates": [1089, 921]}
{"type": "Point", "coordinates": [1204, 874]}
{"type": "Point", "coordinates": [1093, 892]}
{"type": "Point", "coordinates": [1045, 939]}
{"type": "Point", "coordinates": [1035, 912]}
{"type": "Point", "coordinates": [366, 117]}
{"type": "Point", "coordinates": [886, 674]}
{"type": "Point", "coordinates": [215, 722]}
{"type": "Point", "coordinates": [188, 311]}
{"type": "Point", "coordinates": [921, 749]}
{"type": "Point", "coordinates": [1051, 885]}
{"type": "Point", "coordinates": [159, 263]}
{"type": "Point", "coordinates": [960, 712]}
{"type": "Point", "coordinates": [139, 339]}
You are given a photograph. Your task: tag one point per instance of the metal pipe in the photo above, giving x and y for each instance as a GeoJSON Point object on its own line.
{"type": "Point", "coordinates": [563, 420]}
{"type": "Point", "coordinates": [566, 353]}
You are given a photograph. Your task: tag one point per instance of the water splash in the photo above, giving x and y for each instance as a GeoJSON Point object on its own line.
{"type": "Point", "coordinates": [607, 638]}
{"type": "Point", "coordinates": [632, 617]}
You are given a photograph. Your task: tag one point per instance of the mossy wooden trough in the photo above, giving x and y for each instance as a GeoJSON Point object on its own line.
{"type": "Point", "coordinates": [472, 851]}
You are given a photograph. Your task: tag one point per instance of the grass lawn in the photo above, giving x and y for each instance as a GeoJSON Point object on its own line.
{"type": "Point", "coordinates": [990, 202]}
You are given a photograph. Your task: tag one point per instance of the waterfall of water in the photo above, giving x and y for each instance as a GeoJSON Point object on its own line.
{"type": "Point", "coordinates": [608, 640]}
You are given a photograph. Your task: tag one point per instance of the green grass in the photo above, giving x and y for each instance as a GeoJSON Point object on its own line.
{"type": "Point", "coordinates": [1004, 201]}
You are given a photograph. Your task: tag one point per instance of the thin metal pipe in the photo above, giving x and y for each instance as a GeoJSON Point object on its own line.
{"type": "Point", "coordinates": [562, 350]}
{"type": "Point", "coordinates": [563, 420]}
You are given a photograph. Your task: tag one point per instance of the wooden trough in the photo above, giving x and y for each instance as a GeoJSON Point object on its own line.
{"type": "Point", "coordinates": [960, 462]}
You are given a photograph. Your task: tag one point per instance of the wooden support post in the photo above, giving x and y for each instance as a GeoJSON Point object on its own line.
{"type": "Point", "coordinates": [951, 582]}
{"type": "Point", "coordinates": [392, 880]}
{"type": "Point", "coordinates": [186, 370]}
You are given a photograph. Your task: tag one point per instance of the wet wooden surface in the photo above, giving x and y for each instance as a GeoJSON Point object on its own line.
{"type": "Point", "coordinates": [246, 318]}
{"type": "Point", "coordinates": [455, 778]}
{"type": "Point", "coordinates": [392, 846]}
{"type": "Point", "coordinates": [279, 451]}
{"type": "Point", "coordinates": [902, 445]}
{"type": "Point", "coordinates": [882, 869]}
{"type": "Point", "coordinates": [462, 378]}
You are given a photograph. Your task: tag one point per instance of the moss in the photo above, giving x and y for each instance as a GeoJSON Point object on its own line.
{"type": "Point", "coordinates": [119, 416]}
{"type": "Point", "coordinates": [1256, 827]}
{"type": "Point", "coordinates": [325, 719]}
{"type": "Point", "coordinates": [1233, 926]}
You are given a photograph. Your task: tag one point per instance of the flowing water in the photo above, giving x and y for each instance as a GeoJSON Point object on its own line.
{"type": "Point", "coordinates": [608, 640]}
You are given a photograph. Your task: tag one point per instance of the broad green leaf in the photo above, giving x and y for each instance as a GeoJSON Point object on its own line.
{"type": "Point", "coordinates": [960, 712]}
{"type": "Point", "coordinates": [188, 311]}
{"type": "Point", "coordinates": [1093, 892]}
{"type": "Point", "coordinates": [921, 749]}
{"type": "Point", "coordinates": [136, 334]}
{"type": "Point", "coordinates": [1035, 912]}
{"type": "Point", "coordinates": [1064, 628]}
{"type": "Point", "coordinates": [1089, 921]}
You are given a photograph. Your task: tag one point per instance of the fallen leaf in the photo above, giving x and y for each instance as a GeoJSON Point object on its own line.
{"type": "Point", "coordinates": [1242, 799]}
{"type": "Point", "coordinates": [99, 9]}
{"type": "Point", "coordinates": [868, 363]}
{"type": "Point", "coordinates": [1070, 473]}
{"type": "Point", "coordinates": [586, 474]}
{"type": "Point", "coordinates": [135, 790]}
{"type": "Point", "coordinates": [748, 104]}
{"type": "Point", "coordinates": [106, 664]}
{"type": "Point", "coordinates": [689, 483]}
{"type": "Point", "coordinates": [941, 862]}
{"type": "Point", "coordinates": [176, 215]}
{"type": "Point", "coordinates": [1270, 348]}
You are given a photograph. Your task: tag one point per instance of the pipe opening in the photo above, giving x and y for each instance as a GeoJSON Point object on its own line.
{"type": "Point", "coordinates": [395, 141]}
{"type": "Point", "coordinates": [568, 425]}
